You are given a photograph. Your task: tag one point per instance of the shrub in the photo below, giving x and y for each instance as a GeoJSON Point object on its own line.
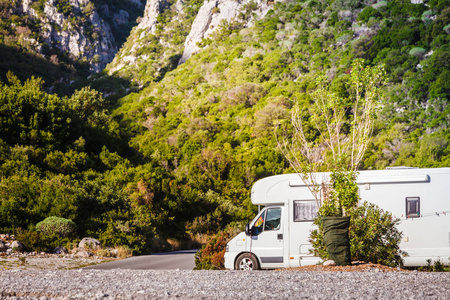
{"type": "Point", "coordinates": [211, 255]}
{"type": "Point", "coordinates": [55, 225]}
{"type": "Point", "coordinates": [64, 7]}
{"type": "Point", "coordinates": [124, 252]}
{"type": "Point", "coordinates": [367, 13]}
{"type": "Point", "coordinates": [37, 241]}
{"type": "Point", "coordinates": [373, 236]}
{"type": "Point", "coordinates": [417, 51]}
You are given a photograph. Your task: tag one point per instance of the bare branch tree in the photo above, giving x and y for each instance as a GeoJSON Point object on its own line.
{"type": "Point", "coordinates": [344, 128]}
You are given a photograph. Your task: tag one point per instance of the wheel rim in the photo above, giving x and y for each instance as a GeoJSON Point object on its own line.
{"type": "Point", "coordinates": [246, 264]}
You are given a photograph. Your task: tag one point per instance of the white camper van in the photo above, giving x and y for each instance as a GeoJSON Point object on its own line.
{"type": "Point", "coordinates": [419, 197]}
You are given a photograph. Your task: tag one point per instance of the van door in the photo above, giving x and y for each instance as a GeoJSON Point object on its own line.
{"type": "Point", "coordinates": [267, 239]}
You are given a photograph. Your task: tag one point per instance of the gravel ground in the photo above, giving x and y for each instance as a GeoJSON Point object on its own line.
{"type": "Point", "coordinates": [142, 284]}
{"type": "Point", "coordinates": [47, 262]}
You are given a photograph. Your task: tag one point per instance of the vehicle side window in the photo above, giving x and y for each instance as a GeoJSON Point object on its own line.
{"type": "Point", "coordinates": [413, 207]}
{"type": "Point", "coordinates": [259, 224]}
{"type": "Point", "coordinates": [273, 219]}
{"type": "Point", "coordinates": [305, 211]}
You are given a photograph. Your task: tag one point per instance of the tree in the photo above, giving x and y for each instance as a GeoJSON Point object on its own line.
{"type": "Point", "coordinates": [90, 105]}
{"type": "Point", "coordinates": [335, 137]}
{"type": "Point", "coordinates": [334, 133]}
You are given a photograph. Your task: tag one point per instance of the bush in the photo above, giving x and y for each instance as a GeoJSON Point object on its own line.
{"type": "Point", "coordinates": [373, 237]}
{"type": "Point", "coordinates": [367, 13]}
{"type": "Point", "coordinates": [64, 7]}
{"type": "Point", "coordinates": [37, 241]}
{"type": "Point", "coordinates": [437, 266]}
{"type": "Point", "coordinates": [417, 51]}
{"type": "Point", "coordinates": [58, 226]}
{"type": "Point", "coordinates": [211, 256]}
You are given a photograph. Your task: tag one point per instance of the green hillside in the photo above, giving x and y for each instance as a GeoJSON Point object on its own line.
{"type": "Point", "coordinates": [176, 159]}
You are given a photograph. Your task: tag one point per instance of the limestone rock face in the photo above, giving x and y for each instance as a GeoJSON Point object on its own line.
{"type": "Point", "coordinates": [211, 14]}
{"type": "Point", "coordinates": [92, 40]}
{"type": "Point", "coordinates": [169, 52]}
{"type": "Point", "coordinates": [152, 10]}
{"type": "Point", "coordinates": [130, 58]}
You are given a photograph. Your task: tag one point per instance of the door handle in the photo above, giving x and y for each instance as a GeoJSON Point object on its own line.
{"type": "Point", "coordinates": [280, 236]}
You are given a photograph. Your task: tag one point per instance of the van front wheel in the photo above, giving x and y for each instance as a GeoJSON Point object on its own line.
{"type": "Point", "coordinates": [246, 262]}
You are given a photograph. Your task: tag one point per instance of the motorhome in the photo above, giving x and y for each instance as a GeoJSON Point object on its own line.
{"type": "Point", "coordinates": [420, 198]}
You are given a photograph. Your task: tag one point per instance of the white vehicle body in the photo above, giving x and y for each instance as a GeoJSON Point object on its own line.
{"type": "Point", "coordinates": [419, 197]}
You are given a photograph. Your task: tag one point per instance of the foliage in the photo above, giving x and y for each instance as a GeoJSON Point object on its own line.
{"type": "Point", "coordinates": [173, 151]}
{"type": "Point", "coordinates": [211, 256]}
{"type": "Point", "coordinates": [374, 236]}
{"type": "Point", "coordinates": [64, 7]}
{"type": "Point", "coordinates": [437, 266]}
{"type": "Point", "coordinates": [342, 131]}
{"type": "Point", "coordinates": [39, 242]}
{"type": "Point", "coordinates": [58, 226]}
{"type": "Point", "coordinates": [343, 196]}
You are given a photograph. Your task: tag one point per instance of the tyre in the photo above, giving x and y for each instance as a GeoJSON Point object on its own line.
{"type": "Point", "coordinates": [246, 262]}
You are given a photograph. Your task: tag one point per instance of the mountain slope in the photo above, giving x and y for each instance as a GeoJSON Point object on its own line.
{"type": "Point", "coordinates": [76, 37]}
{"type": "Point", "coordinates": [176, 157]}
{"type": "Point", "coordinates": [169, 33]}
{"type": "Point", "coordinates": [210, 121]}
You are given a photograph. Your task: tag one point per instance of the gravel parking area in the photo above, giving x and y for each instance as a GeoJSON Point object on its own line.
{"type": "Point", "coordinates": [163, 284]}
{"type": "Point", "coordinates": [47, 262]}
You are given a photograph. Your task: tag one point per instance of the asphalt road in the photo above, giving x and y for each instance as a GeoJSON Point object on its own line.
{"type": "Point", "coordinates": [182, 260]}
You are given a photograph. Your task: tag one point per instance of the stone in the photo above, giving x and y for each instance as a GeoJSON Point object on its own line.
{"type": "Point", "coordinates": [121, 17]}
{"type": "Point", "coordinates": [90, 243]}
{"type": "Point", "coordinates": [136, 2]}
{"type": "Point", "coordinates": [16, 245]}
{"type": "Point", "coordinates": [2, 246]}
{"type": "Point", "coordinates": [61, 250]}
{"type": "Point", "coordinates": [83, 254]}
{"type": "Point", "coordinates": [329, 263]}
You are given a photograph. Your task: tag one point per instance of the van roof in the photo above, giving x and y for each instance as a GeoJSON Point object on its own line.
{"type": "Point", "coordinates": [280, 188]}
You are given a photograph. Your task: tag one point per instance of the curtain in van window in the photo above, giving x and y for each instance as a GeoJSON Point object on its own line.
{"type": "Point", "coordinates": [305, 210]}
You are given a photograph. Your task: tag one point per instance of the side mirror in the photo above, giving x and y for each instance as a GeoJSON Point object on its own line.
{"type": "Point", "coordinates": [248, 230]}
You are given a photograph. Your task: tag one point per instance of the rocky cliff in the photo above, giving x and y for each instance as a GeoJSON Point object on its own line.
{"type": "Point", "coordinates": [156, 44]}
{"type": "Point", "coordinates": [91, 40]}
{"type": "Point", "coordinates": [170, 33]}
{"type": "Point", "coordinates": [152, 10]}
{"type": "Point", "coordinates": [214, 12]}
{"type": "Point", "coordinates": [78, 31]}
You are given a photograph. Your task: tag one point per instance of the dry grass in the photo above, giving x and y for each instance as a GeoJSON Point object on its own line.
{"type": "Point", "coordinates": [175, 244]}
{"type": "Point", "coordinates": [124, 252]}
